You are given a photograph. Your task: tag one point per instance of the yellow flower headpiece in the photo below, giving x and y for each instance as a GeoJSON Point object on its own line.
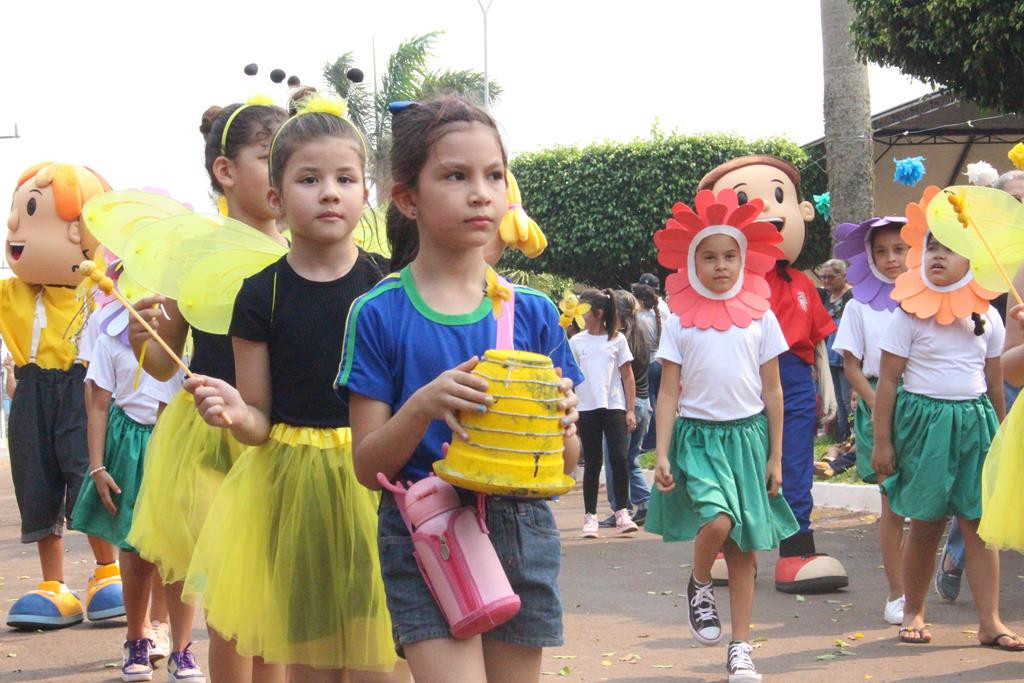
{"type": "Point", "coordinates": [517, 229]}
{"type": "Point", "coordinates": [319, 104]}
{"type": "Point", "coordinates": [572, 309]}
{"type": "Point", "coordinates": [1016, 155]}
{"type": "Point", "coordinates": [496, 291]}
{"type": "Point", "coordinates": [254, 101]}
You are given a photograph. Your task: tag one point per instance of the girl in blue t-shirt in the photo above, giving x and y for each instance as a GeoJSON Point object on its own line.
{"type": "Point", "coordinates": [410, 346]}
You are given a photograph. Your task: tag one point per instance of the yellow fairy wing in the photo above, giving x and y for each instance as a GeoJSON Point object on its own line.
{"type": "Point", "coordinates": [130, 288]}
{"type": "Point", "coordinates": [370, 233]}
{"type": "Point", "coordinates": [199, 261]}
{"type": "Point", "coordinates": [112, 217]}
{"type": "Point", "coordinates": [999, 217]}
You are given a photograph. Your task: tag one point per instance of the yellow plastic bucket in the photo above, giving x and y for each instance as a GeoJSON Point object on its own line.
{"type": "Point", "coordinates": [515, 448]}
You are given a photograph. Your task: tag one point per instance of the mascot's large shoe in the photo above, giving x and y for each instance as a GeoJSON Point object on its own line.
{"type": "Point", "coordinates": [720, 570]}
{"type": "Point", "coordinates": [49, 606]}
{"type": "Point", "coordinates": [801, 569]}
{"type": "Point", "coordinates": [104, 598]}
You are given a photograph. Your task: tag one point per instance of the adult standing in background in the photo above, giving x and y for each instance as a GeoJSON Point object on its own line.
{"type": "Point", "coordinates": [652, 318]}
{"type": "Point", "coordinates": [835, 294]}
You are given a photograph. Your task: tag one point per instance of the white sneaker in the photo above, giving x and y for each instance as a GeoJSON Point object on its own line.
{"type": "Point", "coordinates": [739, 664]}
{"type": "Point", "coordinates": [589, 526]}
{"type": "Point", "coordinates": [160, 633]}
{"type": "Point", "coordinates": [624, 523]}
{"type": "Point", "coordinates": [893, 613]}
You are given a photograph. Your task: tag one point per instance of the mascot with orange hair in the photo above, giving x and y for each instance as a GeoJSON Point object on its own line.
{"type": "Point", "coordinates": [40, 322]}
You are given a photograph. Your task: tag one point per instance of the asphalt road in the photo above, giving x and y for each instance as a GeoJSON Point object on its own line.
{"type": "Point", "coordinates": [624, 617]}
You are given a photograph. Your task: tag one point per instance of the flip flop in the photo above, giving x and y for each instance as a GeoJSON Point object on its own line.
{"type": "Point", "coordinates": [1017, 647]}
{"type": "Point", "coordinates": [920, 636]}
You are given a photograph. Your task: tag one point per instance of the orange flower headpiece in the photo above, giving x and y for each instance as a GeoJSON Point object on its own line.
{"type": "Point", "coordinates": [920, 297]}
{"type": "Point", "coordinates": [720, 214]}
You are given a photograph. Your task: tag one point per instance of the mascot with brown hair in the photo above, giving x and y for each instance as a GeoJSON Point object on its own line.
{"type": "Point", "coordinates": [40, 321]}
{"type": "Point", "coordinates": [806, 324]}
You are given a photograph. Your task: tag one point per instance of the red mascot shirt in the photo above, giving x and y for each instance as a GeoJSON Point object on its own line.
{"type": "Point", "coordinates": [803, 318]}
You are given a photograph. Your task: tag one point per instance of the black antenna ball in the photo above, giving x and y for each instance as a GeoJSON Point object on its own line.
{"type": "Point", "coordinates": [277, 75]}
{"type": "Point", "coordinates": [354, 75]}
{"type": "Point", "coordinates": [251, 69]}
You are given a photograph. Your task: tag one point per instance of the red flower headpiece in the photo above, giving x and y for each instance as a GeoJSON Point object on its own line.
{"type": "Point", "coordinates": [694, 303]}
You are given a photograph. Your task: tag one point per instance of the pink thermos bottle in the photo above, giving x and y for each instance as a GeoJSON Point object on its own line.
{"type": "Point", "coordinates": [455, 557]}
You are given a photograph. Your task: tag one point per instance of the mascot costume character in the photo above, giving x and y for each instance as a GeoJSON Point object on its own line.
{"type": "Point", "coordinates": [40, 320]}
{"type": "Point", "coordinates": [805, 323]}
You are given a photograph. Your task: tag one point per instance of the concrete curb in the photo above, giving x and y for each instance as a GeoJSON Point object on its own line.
{"type": "Point", "coordinates": [855, 497]}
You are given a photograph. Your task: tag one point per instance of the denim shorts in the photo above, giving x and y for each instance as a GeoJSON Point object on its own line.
{"type": "Point", "coordinates": [527, 541]}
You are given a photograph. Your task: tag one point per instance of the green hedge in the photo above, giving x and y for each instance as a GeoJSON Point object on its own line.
{"type": "Point", "coordinates": [600, 205]}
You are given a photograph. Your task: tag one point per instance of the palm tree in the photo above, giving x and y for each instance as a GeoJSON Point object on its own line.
{"type": "Point", "coordinates": [407, 77]}
{"type": "Point", "coordinates": [848, 142]}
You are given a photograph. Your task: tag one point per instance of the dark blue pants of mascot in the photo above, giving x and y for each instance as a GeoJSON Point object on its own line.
{"type": "Point", "coordinates": [799, 424]}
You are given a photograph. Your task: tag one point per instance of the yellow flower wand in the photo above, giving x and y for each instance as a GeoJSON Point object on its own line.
{"type": "Point", "coordinates": [90, 271]}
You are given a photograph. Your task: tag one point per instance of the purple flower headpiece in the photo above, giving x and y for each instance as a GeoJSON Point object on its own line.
{"type": "Point", "coordinates": [853, 245]}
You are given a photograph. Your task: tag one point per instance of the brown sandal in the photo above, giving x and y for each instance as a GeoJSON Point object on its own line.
{"type": "Point", "coordinates": [920, 636]}
{"type": "Point", "coordinates": [1018, 644]}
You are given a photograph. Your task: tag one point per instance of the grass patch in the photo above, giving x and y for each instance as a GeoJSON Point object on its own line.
{"type": "Point", "coordinates": [646, 460]}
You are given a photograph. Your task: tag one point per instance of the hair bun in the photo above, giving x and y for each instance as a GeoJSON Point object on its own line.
{"type": "Point", "coordinates": [209, 116]}
{"type": "Point", "coordinates": [297, 97]}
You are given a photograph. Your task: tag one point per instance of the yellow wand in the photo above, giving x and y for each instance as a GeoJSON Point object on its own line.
{"type": "Point", "coordinates": [89, 270]}
{"type": "Point", "coordinates": [957, 201]}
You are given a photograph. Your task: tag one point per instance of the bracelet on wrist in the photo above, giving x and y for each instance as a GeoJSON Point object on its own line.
{"type": "Point", "coordinates": [101, 468]}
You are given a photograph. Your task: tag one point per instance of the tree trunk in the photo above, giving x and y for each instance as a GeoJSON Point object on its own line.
{"type": "Point", "coordinates": [848, 145]}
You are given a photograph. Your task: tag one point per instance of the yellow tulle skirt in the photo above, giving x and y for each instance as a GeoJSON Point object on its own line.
{"type": "Point", "coordinates": [287, 562]}
{"type": "Point", "coordinates": [1002, 505]}
{"type": "Point", "coordinates": [186, 462]}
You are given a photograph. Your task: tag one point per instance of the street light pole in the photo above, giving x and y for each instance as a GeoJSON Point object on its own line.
{"type": "Point", "coordinates": [487, 79]}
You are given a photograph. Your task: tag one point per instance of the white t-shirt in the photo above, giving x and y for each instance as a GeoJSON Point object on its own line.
{"type": "Point", "coordinates": [113, 368]}
{"type": "Point", "coordinates": [87, 340]}
{"type": "Point", "coordinates": [860, 332]}
{"type": "Point", "coordinates": [944, 361]}
{"type": "Point", "coordinates": [720, 372]}
{"type": "Point", "coordinates": [600, 359]}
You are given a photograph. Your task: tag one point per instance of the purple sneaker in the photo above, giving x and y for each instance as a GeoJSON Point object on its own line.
{"type": "Point", "coordinates": [181, 666]}
{"type": "Point", "coordinates": [135, 664]}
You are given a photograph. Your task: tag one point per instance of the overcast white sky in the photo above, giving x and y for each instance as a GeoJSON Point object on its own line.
{"type": "Point", "coordinates": [120, 86]}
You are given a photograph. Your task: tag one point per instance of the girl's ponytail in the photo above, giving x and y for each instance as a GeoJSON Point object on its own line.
{"type": "Point", "coordinates": [979, 324]}
{"type": "Point", "coordinates": [403, 238]}
{"type": "Point", "coordinates": [611, 313]}
{"type": "Point", "coordinates": [648, 298]}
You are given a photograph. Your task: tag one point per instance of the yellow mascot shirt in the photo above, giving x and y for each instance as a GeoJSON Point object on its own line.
{"type": "Point", "coordinates": [55, 350]}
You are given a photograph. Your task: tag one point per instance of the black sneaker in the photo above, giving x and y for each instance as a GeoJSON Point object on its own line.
{"type": "Point", "coordinates": [608, 522]}
{"type": "Point", "coordinates": [640, 513]}
{"type": "Point", "coordinates": [703, 613]}
{"type": "Point", "coordinates": [739, 664]}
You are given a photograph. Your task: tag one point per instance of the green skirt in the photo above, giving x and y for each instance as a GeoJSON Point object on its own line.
{"type": "Point", "coordinates": [719, 468]}
{"type": "Point", "coordinates": [865, 437]}
{"type": "Point", "coordinates": [940, 450]}
{"type": "Point", "coordinates": [123, 457]}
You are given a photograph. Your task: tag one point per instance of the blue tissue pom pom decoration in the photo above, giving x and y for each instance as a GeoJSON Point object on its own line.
{"type": "Point", "coordinates": [909, 171]}
{"type": "Point", "coordinates": [823, 205]}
